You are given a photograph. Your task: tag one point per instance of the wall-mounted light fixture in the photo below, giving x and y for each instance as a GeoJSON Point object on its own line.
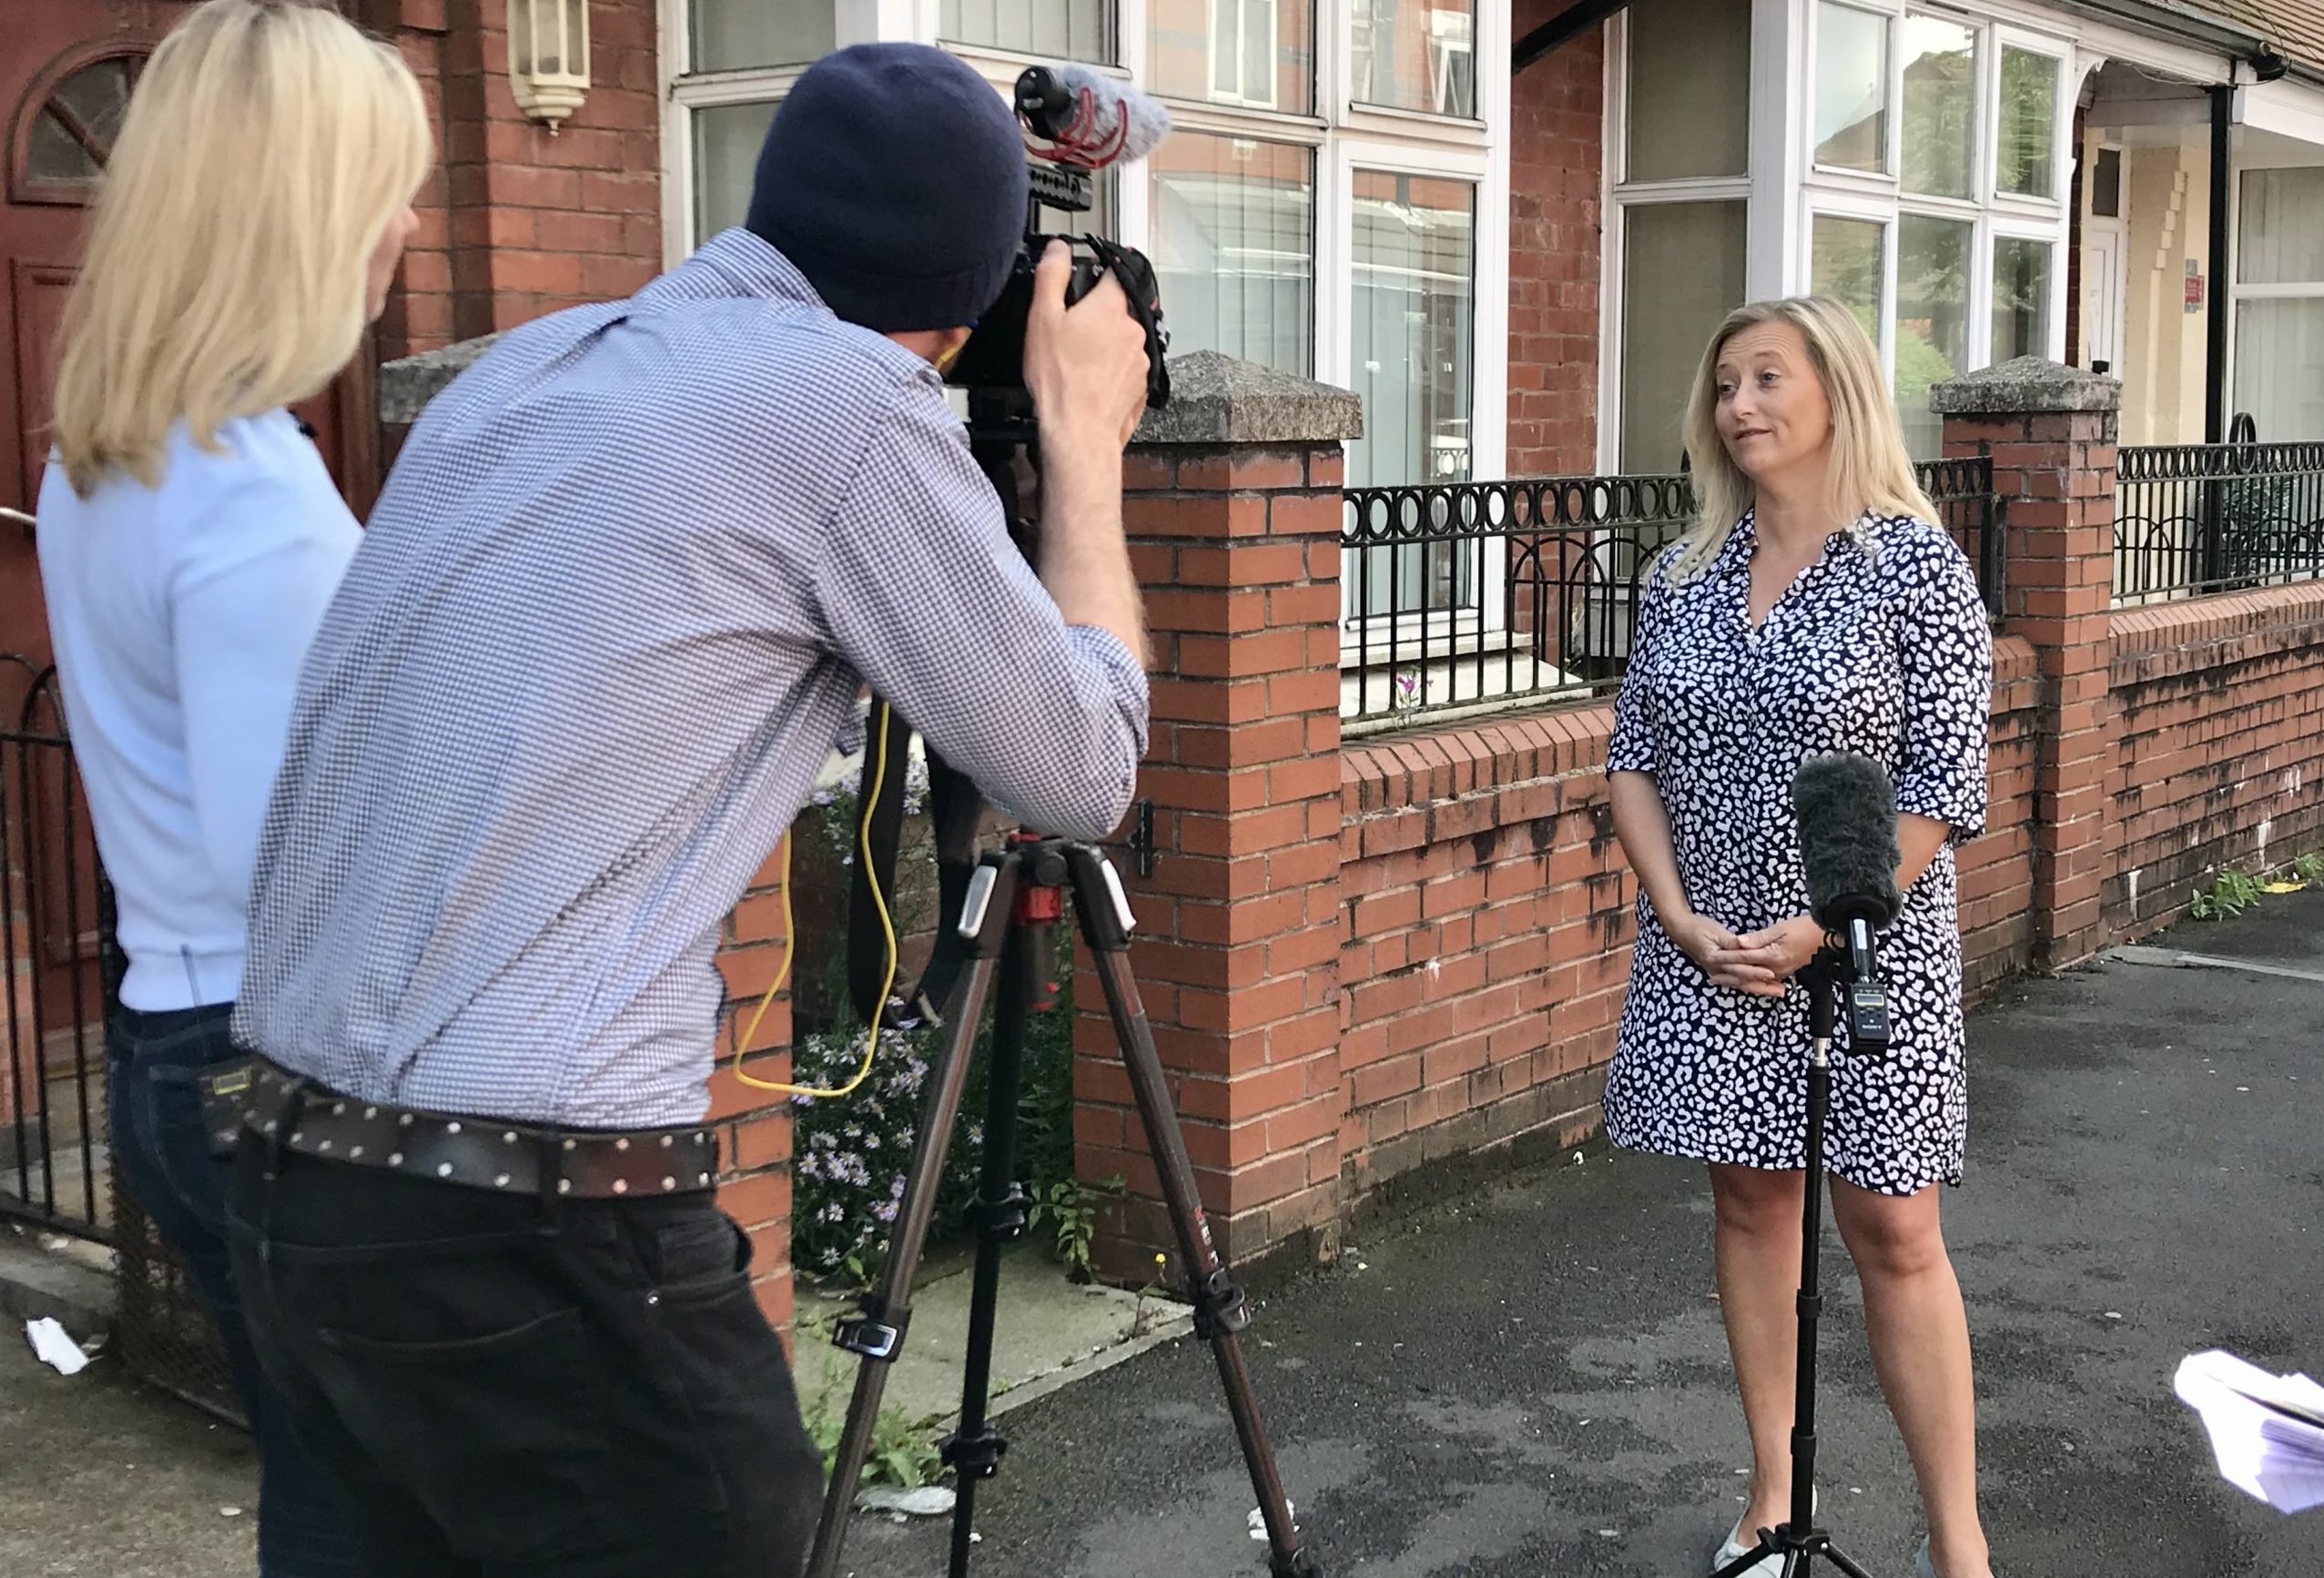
{"type": "Point", "coordinates": [548, 57]}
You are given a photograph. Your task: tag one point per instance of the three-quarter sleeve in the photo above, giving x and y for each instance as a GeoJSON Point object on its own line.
{"type": "Point", "coordinates": [1947, 658]}
{"type": "Point", "coordinates": [1634, 747]}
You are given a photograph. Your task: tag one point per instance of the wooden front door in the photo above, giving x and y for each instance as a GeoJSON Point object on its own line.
{"type": "Point", "coordinates": [66, 69]}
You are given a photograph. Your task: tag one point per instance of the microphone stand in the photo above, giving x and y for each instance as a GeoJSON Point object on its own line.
{"type": "Point", "coordinates": [1838, 969]}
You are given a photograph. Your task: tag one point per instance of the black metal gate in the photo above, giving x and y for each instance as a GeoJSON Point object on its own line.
{"type": "Point", "coordinates": [62, 969]}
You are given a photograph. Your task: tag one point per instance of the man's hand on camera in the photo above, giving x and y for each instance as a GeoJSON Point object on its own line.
{"type": "Point", "coordinates": [1085, 365]}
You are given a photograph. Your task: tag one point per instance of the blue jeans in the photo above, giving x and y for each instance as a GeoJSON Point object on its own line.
{"type": "Point", "coordinates": [160, 1144]}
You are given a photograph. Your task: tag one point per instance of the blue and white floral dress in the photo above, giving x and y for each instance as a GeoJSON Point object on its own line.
{"type": "Point", "coordinates": [1880, 647]}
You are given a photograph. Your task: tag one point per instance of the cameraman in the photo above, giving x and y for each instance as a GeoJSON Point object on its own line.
{"type": "Point", "coordinates": [615, 606]}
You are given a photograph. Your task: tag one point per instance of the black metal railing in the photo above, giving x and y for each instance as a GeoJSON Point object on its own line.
{"type": "Point", "coordinates": [2198, 518]}
{"type": "Point", "coordinates": [54, 1158]}
{"type": "Point", "coordinates": [60, 962]}
{"type": "Point", "coordinates": [1468, 597]}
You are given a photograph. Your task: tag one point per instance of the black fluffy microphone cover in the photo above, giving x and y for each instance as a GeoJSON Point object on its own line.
{"type": "Point", "coordinates": [1847, 812]}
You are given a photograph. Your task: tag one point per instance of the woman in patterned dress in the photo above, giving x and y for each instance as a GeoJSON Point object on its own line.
{"type": "Point", "coordinates": [1815, 608]}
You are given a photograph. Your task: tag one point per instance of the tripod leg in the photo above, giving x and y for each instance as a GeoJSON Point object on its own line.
{"type": "Point", "coordinates": [878, 1334]}
{"type": "Point", "coordinates": [975, 1449]}
{"type": "Point", "coordinates": [1218, 1309]}
{"type": "Point", "coordinates": [1844, 1564]}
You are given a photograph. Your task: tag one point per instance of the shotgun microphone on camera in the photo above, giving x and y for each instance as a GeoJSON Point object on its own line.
{"type": "Point", "coordinates": [1846, 807]}
{"type": "Point", "coordinates": [1089, 119]}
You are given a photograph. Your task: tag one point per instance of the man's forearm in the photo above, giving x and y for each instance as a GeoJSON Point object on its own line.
{"type": "Point", "coordinates": [1084, 560]}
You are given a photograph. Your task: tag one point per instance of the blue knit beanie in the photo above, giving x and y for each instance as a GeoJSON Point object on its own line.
{"type": "Point", "coordinates": [894, 179]}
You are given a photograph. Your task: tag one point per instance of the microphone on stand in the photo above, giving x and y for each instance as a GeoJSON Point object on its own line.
{"type": "Point", "coordinates": [1846, 807]}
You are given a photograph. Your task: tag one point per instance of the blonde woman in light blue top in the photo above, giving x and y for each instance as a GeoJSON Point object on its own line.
{"type": "Point", "coordinates": [253, 213]}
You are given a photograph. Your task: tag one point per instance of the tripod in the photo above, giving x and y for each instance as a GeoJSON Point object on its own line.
{"type": "Point", "coordinates": [1014, 897]}
{"type": "Point", "coordinates": [1833, 972]}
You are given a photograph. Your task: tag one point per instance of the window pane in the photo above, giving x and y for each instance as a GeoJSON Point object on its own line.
{"type": "Point", "coordinates": [1940, 94]}
{"type": "Point", "coordinates": [2280, 368]}
{"type": "Point", "coordinates": [1234, 246]}
{"type": "Point", "coordinates": [2105, 185]}
{"type": "Point", "coordinates": [2028, 124]}
{"type": "Point", "coordinates": [1413, 339]}
{"type": "Point", "coordinates": [1932, 321]}
{"type": "Point", "coordinates": [1847, 266]}
{"type": "Point", "coordinates": [1058, 29]}
{"type": "Point", "coordinates": [1683, 271]}
{"type": "Point", "coordinates": [1415, 256]}
{"type": "Point", "coordinates": [1690, 89]}
{"type": "Point", "coordinates": [730, 35]}
{"type": "Point", "coordinates": [1250, 52]}
{"type": "Point", "coordinates": [2021, 298]}
{"type": "Point", "coordinates": [1851, 88]}
{"type": "Point", "coordinates": [1415, 55]}
{"type": "Point", "coordinates": [2282, 231]}
{"type": "Point", "coordinates": [726, 139]}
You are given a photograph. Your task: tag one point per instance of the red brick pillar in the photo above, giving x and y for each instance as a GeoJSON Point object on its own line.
{"type": "Point", "coordinates": [2050, 430]}
{"type": "Point", "coordinates": [1233, 515]}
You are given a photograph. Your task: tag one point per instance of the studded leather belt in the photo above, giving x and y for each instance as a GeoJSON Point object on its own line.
{"type": "Point", "coordinates": [484, 1153]}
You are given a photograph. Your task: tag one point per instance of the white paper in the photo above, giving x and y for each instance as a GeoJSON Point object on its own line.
{"type": "Point", "coordinates": [2267, 1430]}
{"type": "Point", "coordinates": [53, 1348]}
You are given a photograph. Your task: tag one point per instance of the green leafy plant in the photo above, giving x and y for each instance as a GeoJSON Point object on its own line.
{"type": "Point", "coordinates": [1070, 1207]}
{"type": "Point", "coordinates": [902, 1453]}
{"type": "Point", "coordinates": [2308, 869]}
{"type": "Point", "coordinates": [2231, 894]}
{"type": "Point", "coordinates": [1141, 1317]}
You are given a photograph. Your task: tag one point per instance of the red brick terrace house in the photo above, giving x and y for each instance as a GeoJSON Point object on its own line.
{"type": "Point", "coordinates": [1388, 929]}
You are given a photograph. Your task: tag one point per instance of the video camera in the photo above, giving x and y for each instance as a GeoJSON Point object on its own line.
{"type": "Point", "coordinates": [1089, 121]}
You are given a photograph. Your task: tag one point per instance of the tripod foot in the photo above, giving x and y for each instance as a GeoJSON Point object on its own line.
{"type": "Point", "coordinates": [1301, 1564]}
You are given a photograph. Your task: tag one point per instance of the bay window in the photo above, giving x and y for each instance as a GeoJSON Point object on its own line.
{"type": "Point", "coordinates": [1919, 181]}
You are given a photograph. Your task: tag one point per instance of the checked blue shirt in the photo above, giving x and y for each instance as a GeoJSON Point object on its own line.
{"type": "Point", "coordinates": [611, 615]}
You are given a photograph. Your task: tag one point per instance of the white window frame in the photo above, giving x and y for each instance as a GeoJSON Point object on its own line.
{"type": "Point", "coordinates": [1891, 136]}
{"type": "Point", "coordinates": [1619, 195]}
{"type": "Point", "coordinates": [1238, 93]}
{"type": "Point", "coordinates": [2232, 272]}
{"type": "Point", "coordinates": [1785, 188]}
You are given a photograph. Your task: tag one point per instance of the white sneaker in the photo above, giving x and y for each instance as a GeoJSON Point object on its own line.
{"type": "Point", "coordinates": [1922, 1566]}
{"type": "Point", "coordinates": [1735, 1547]}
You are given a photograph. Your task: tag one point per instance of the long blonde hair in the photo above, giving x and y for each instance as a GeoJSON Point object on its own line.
{"type": "Point", "coordinates": [1869, 467]}
{"type": "Point", "coordinates": [268, 146]}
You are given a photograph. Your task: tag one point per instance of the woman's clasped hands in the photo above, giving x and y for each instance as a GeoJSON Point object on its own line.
{"type": "Point", "coordinates": [1760, 963]}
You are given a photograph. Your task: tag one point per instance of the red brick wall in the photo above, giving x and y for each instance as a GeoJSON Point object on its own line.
{"type": "Point", "coordinates": [518, 221]}
{"type": "Point", "coordinates": [1486, 938]}
{"type": "Point", "coordinates": [754, 1125]}
{"type": "Point", "coordinates": [1556, 153]}
{"type": "Point", "coordinates": [2220, 706]}
{"type": "Point", "coordinates": [1996, 871]}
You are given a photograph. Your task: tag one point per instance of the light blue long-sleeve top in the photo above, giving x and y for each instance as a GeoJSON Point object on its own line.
{"type": "Point", "coordinates": [180, 615]}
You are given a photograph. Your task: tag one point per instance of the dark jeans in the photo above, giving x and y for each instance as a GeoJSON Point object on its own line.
{"type": "Point", "coordinates": [159, 1142]}
{"type": "Point", "coordinates": [514, 1387]}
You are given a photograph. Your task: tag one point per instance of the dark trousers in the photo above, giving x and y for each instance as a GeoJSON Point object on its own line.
{"type": "Point", "coordinates": [161, 1146]}
{"type": "Point", "coordinates": [514, 1387]}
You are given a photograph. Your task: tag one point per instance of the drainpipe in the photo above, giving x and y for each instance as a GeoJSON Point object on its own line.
{"type": "Point", "coordinates": [2215, 348]}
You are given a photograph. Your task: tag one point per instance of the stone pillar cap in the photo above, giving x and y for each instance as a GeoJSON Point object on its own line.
{"type": "Point", "coordinates": [1222, 400]}
{"type": "Point", "coordinates": [2025, 383]}
{"type": "Point", "coordinates": [409, 382]}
